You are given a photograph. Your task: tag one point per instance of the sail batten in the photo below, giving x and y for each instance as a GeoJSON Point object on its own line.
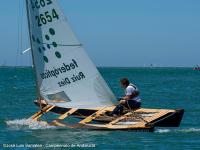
{"type": "Point", "coordinates": [63, 69]}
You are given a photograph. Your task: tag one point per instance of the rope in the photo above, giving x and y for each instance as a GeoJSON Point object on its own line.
{"type": "Point", "coordinates": [18, 32]}
{"type": "Point", "coordinates": [136, 115]}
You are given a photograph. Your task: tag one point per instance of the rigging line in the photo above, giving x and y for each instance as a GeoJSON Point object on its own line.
{"type": "Point", "coordinates": [30, 57]}
{"type": "Point", "coordinates": [18, 32]}
{"type": "Point", "coordinates": [30, 60]}
{"type": "Point", "coordinates": [135, 114]}
{"type": "Point", "coordinates": [21, 36]}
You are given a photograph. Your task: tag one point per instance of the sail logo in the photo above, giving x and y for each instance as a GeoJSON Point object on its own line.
{"type": "Point", "coordinates": [46, 46]}
{"type": "Point", "coordinates": [55, 72]}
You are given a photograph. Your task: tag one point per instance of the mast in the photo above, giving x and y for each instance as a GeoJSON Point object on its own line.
{"type": "Point", "coordinates": [35, 72]}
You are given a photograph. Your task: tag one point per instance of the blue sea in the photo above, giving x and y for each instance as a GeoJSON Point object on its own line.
{"type": "Point", "coordinates": [160, 88]}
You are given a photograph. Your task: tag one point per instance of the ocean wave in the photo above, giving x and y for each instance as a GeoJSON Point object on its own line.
{"type": "Point", "coordinates": [186, 130]}
{"type": "Point", "coordinates": [190, 130]}
{"type": "Point", "coordinates": [162, 130]}
{"type": "Point", "coordinates": [28, 124]}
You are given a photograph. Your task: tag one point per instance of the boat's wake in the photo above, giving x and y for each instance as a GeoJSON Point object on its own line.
{"type": "Point", "coordinates": [19, 124]}
{"type": "Point", "coordinates": [185, 130]}
{"type": "Point", "coordinates": [28, 124]}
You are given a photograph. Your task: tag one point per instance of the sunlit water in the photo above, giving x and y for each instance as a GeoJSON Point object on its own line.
{"type": "Point", "coordinates": [160, 88]}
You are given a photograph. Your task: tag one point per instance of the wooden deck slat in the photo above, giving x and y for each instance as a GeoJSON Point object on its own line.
{"type": "Point", "coordinates": [68, 113]}
{"type": "Point", "coordinates": [118, 119]}
{"type": "Point", "coordinates": [95, 115]}
{"type": "Point", "coordinates": [57, 123]}
{"type": "Point", "coordinates": [63, 116]}
{"type": "Point", "coordinates": [37, 113]}
{"type": "Point", "coordinates": [44, 110]}
{"type": "Point", "coordinates": [162, 113]}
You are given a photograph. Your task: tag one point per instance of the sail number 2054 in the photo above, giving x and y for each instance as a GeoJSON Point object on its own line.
{"type": "Point", "coordinates": [43, 19]}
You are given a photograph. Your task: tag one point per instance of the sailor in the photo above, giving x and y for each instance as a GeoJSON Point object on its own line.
{"type": "Point", "coordinates": [131, 100]}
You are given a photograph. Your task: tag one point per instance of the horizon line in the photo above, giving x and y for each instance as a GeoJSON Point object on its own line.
{"type": "Point", "coordinates": [112, 66]}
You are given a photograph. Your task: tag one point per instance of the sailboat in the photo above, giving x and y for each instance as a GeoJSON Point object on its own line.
{"type": "Point", "coordinates": [196, 67]}
{"type": "Point", "coordinates": [69, 84]}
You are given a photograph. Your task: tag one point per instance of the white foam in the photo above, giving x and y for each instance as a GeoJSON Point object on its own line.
{"type": "Point", "coordinates": [28, 123]}
{"type": "Point", "coordinates": [186, 130]}
{"type": "Point", "coordinates": [162, 130]}
{"type": "Point", "coordinates": [190, 130]}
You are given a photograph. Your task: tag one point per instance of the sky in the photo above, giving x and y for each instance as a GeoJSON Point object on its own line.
{"type": "Point", "coordinates": [120, 33]}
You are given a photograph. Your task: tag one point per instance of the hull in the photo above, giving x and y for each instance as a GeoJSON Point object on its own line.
{"type": "Point", "coordinates": [148, 118]}
{"type": "Point", "coordinates": [169, 120]}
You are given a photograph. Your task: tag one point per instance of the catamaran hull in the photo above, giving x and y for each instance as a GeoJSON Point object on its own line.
{"type": "Point", "coordinates": [170, 119]}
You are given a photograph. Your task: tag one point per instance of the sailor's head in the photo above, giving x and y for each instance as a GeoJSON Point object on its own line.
{"type": "Point", "coordinates": [124, 82]}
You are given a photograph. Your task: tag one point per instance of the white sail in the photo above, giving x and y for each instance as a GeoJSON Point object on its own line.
{"type": "Point", "coordinates": [63, 69]}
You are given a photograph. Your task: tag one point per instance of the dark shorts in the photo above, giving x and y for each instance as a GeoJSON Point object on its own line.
{"type": "Point", "coordinates": [130, 104]}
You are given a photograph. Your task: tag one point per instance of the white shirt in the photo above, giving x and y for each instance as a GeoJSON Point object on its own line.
{"type": "Point", "coordinates": [130, 90]}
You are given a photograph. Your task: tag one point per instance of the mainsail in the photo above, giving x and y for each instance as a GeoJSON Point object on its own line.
{"type": "Point", "coordinates": [63, 69]}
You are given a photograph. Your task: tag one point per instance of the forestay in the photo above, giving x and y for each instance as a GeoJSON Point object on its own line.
{"type": "Point", "coordinates": [63, 69]}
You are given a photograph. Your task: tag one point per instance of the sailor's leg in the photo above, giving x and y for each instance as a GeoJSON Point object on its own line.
{"type": "Point", "coordinates": [118, 110]}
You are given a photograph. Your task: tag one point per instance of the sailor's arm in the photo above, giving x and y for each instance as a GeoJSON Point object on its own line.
{"type": "Point", "coordinates": [124, 99]}
{"type": "Point", "coordinates": [128, 97]}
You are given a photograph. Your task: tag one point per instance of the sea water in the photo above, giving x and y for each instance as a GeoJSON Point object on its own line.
{"type": "Point", "coordinates": [160, 88]}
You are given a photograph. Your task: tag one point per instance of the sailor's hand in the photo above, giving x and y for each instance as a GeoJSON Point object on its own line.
{"type": "Point", "coordinates": [122, 101]}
